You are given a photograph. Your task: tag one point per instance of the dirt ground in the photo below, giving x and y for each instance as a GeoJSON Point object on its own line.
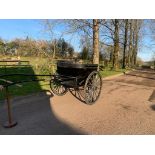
{"type": "Point", "coordinates": [126, 106]}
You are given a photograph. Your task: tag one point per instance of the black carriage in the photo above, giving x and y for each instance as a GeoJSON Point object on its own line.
{"type": "Point", "coordinates": [70, 75]}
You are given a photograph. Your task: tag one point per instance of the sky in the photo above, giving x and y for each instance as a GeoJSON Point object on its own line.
{"type": "Point", "coordinates": [146, 49]}
{"type": "Point", "coordinates": [13, 28]}
{"type": "Point", "coordinates": [33, 28]}
{"type": "Point", "coordinates": [21, 28]}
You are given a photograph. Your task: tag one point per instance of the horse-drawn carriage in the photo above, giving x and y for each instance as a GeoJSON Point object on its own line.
{"type": "Point", "coordinates": [70, 75]}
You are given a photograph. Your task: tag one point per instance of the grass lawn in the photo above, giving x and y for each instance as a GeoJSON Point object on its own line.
{"type": "Point", "coordinates": [28, 87]}
{"type": "Point", "coordinates": [107, 72]}
{"type": "Point", "coordinates": [37, 66]}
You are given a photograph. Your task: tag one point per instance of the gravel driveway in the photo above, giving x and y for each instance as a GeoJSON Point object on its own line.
{"type": "Point", "coordinates": [126, 106]}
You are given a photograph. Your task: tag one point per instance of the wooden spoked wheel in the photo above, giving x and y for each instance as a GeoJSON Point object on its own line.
{"type": "Point", "coordinates": [57, 88]}
{"type": "Point", "coordinates": [92, 87]}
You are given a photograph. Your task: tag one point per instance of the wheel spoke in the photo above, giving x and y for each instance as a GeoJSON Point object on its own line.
{"type": "Point", "coordinates": [94, 95]}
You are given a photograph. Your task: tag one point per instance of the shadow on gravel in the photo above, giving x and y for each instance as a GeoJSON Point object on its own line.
{"type": "Point", "coordinates": [153, 107]}
{"type": "Point", "coordinates": [33, 113]}
{"type": "Point", "coordinates": [35, 117]}
{"type": "Point", "coordinates": [152, 97]}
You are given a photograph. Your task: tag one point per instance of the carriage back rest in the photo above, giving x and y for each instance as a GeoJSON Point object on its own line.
{"type": "Point", "coordinates": [69, 68]}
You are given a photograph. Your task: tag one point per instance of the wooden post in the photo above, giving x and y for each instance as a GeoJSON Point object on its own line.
{"type": "Point", "coordinates": [10, 122]}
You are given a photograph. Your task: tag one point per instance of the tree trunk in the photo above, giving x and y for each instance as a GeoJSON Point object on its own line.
{"type": "Point", "coordinates": [111, 57]}
{"type": "Point", "coordinates": [130, 44]}
{"type": "Point", "coordinates": [125, 44]}
{"type": "Point", "coordinates": [136, 43]}
{"type": "Point", "coordinates": [133, 46]}
{"type": "Point", "coordinates": [116, 45]}
{"type": "Point", "coordinates": [95, 41]}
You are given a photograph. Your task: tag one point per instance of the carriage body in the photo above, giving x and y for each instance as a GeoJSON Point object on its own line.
{"type": "Point", "coordinates": [73, 75]}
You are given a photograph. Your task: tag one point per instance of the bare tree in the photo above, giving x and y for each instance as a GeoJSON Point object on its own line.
{"type": "Point", "coordinates": [135, 43]}
{"type": "Point", "coordinates": [122, 35]}
{"type": "Point", "coordinates": [116, 45]}
{"type": "Point", "coordinates": [136, 37]}
{"type": "Point", "coordinates": [130, 51]}
{"type": "Point", "coordinates": [125, 43]}
{"type": "Point", "coordinates": [49, 26]}
{"type": "Point", "coordinates": [82, 26]}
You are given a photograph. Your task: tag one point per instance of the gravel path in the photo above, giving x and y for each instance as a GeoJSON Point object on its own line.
{"type": "Point", "coordinates": [126, 106]}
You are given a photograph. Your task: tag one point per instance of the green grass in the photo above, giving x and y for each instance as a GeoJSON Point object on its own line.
{"type": "Point", "coordinates": [37, 66]}
{"type": "Point", "coordinates": [107, 72]}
